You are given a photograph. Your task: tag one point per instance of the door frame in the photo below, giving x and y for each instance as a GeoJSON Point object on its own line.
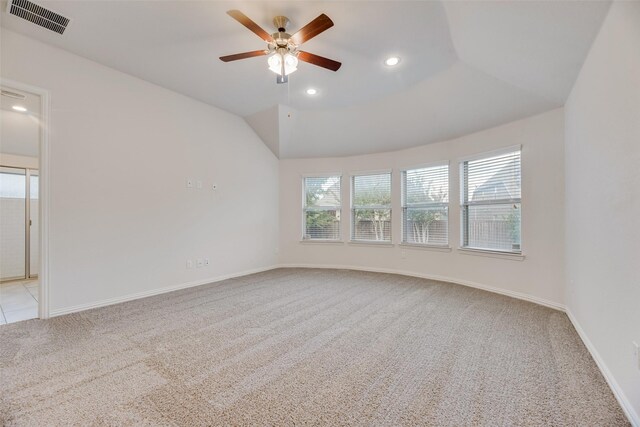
{"type": "Point", "coordinates": [44, 190]}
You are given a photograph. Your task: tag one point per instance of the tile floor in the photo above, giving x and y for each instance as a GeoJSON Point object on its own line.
{"type": "Point", "coordinates": [18, 301]}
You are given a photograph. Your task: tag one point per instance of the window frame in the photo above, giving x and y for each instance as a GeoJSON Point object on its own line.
{"type": "Point", "coordinates": [305, 208]}
{"type": "Point", "coordinates": [463, 223]}
{"type": "Point", "coordinates": [352, 176]}
{"type": "Point", "coordinates": [403, 205]}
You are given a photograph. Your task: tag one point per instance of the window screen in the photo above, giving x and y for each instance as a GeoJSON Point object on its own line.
{"type": "Point", "coordinates": [425, 206]}
{"type": "Point", "coordinates": [322, 208]}
{"type": "Point", "coordinates": [491, 203]}
{"type": "Point", "coordinates": [371, 207]}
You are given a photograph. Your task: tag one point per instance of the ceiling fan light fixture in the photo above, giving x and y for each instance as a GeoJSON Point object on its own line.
{"type": "Point", "coordinates": [277, 60]}
{"type": "Point", "coordinates": [290, 63]}
{"type": "Point", "coordinates": [275, 63]}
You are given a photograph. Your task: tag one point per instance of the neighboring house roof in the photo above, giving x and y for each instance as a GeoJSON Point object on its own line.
{"type": "Point", "coordinates": [331, 197]}
{"type": "Point", "coordinates": [501, 185]}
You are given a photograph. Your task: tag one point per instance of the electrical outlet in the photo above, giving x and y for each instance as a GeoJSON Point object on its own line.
{"type": "Point", "coordinates": [207, 262]}
{"type": "Point", "coordinates": [199, 185]}
{"type": "Point", "coordinates": [403, 254]}
{"type": "Point", "coordinates": [636, 353]}
{"type": "Point", "coordinates": [199, 263]}
{"type": "Point", "coordinates": [189, 263]}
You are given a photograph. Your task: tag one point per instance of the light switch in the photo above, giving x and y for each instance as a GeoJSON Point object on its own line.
{"type": "Point", "coordinates": [189, 183]}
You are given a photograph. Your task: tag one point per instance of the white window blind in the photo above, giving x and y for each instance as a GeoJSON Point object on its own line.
{"type": "Point", "coordinates": [371, 207]}
{"type": "Point", "coordinates": [322, 208]}
{"type": "Point", "coordinates": [491, 202]}
{"type": "Point", "coordinates": [425, 206]}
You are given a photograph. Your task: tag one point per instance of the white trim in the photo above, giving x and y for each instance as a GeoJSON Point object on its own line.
{"type": "Point", "coordinates": [625, 404]}
{"type": "Point", "coordinates": [421, 246]}
{"type": "Point", "coordinates": [490, 153]}
{"type": "Point", "coordinates": [371, 172]}
{"type": "Point", "coordinates": [131, 297]}
{"type": "Point", "coordinates": [513, 256]}
{"type": "Point", "coordinates": [518, 295]}
{"type": "Point", "coordinates": [320, 175]}
{"type": "Point", "coordinates": [322, 241]}
{"type": "Point", "coordinates": [44, 186]}
{"type": "Point", "coordinates": [375, 243]}
{"type": "Point", "coordinates": [427, 166]}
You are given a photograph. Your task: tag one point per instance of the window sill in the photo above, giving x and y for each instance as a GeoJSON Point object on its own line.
{"type": "Point", "coordinates": [418, 246]}
{"type": "Point", "coordinates": [322, 242]}
{"type": "Point", "coordinates": [371, 243]}
{"type": "Point", "coordinates": [492, 254]}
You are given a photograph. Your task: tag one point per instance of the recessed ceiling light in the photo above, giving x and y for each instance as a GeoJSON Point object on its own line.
{"type": "Point", "coordinates": [19, 108]}
{"type": "Point", "coordinates": [391, 61]}
{"type": "Point", "coordinates": [311, 91]}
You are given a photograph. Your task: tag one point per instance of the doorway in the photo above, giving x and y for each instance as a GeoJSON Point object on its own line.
{"type": "Point", "coordinates": [20, 141]}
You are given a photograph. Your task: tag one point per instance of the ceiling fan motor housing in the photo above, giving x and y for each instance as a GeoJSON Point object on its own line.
{"type": "Point", "coordinates": [281, 23]}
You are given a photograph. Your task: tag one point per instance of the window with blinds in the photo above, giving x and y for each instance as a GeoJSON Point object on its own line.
{"type": "Point", "coordinates": [425, 206]}
{"type": "Point", "coordinates": [491, 203]}
{"type": "Point", "coordinates": [322, 208]}
{"type": "Point", "coordinates": [371, 207]}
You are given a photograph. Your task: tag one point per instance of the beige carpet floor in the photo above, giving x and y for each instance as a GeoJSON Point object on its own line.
{"type": "Point", "coordinates": [305, 347]}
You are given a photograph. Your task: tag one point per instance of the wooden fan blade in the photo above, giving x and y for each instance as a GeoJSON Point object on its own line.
{"type": "Point", "coordinates": [244, 20]}
{"type": "Point", "coordinates": [319, 61]}
{"type": "Point", "coordinates": [312, 29]}
{"type": "Point", "coordinates": [243, 55]}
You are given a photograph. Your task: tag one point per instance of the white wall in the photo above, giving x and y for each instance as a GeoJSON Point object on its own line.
{"type": "Point", "coordinates": [122, 221]}
{"type": "Point", "coordinates": [603, 197]}
{"type": "Point", "coordinates": [540, 275]}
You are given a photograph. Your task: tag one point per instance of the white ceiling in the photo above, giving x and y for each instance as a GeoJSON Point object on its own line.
{"type": "Point", "coordinates": [466, 65]}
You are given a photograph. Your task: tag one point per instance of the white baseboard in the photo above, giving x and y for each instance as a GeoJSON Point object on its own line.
{"type": "Point", "coordinates": [628, 409]}
{"type": "Point", "coordinates": [131, 297]}
{"type": "Point", "coordinates": [518, 295]}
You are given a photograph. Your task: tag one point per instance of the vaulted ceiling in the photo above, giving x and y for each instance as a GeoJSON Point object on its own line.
{"type": "Point", "coordinates": [465, 65]}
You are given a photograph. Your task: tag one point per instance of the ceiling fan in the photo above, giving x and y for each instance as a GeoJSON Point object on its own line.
{"type": "Point", "coordinates": [283, 47]}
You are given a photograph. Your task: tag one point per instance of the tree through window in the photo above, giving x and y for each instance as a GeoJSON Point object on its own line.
{"type": "Point", "coordinates": [371, 207]}
{"type": "Point", "coordinates": [322, 208]}
{"type": "Point", "coordinates": [425, 206]}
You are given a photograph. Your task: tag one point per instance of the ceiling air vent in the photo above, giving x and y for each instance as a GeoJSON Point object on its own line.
{"type": "Point", "coordinates": [38, 15]}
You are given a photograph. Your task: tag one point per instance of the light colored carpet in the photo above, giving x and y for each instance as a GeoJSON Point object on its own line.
{"type": "Point", "coordinates": [305, 347]}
